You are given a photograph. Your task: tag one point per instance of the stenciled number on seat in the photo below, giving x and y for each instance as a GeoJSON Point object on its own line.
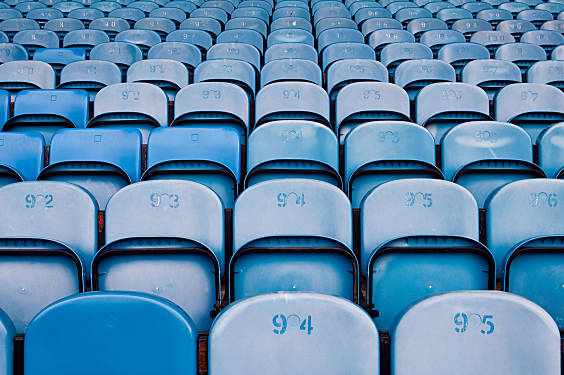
{"type": "Point", "coordinates": [32, 200]}
{"type": "Point", "coordinates": [538, 199]}
{"type": "Point", "coordinates": [461, 321]}
{"type": "Point", "coordinates": [281, 323]}
{"type": "Point", "coordinates": [425, 199]}
{"type": "Point", "coordinates": [282, 199]}
{"type": "Point", "coordinates": [215, 94]}
{"type": "Point", "coordinates": [165, 198]}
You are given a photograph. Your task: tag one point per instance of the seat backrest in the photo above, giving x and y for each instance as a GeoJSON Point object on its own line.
{"type": "Point", "coordinates": [12, 52]}
{"type": "Point", "coordinates": [290, 50]}
{"type": "Point", "coordinates": [347, 71]}
{"type": "Point", "coordinates": [290, 70]}
{"type": "Point", "coordinates": [199, 38]}
{"type": "Point", "coordinates": [130, 332]}
{"type": "Point", "coordinates": [186, 53]}
{"type": "Point", "coordinates": [325, 334]}
{"type": "Point", "coordinates": [159, 71]}
{"type": "Point", "coordinates": [290, 23]}
{"type": "Point", "coordinates": [82, 74]}
{"type": "Point", "coordinates": [522, 54]}
{"type": "Point", "coordinates": [89, 38]}
{"type": "Point", "coordinates": [491, 75]}
{"type": "Point", "coordinates": [59, 57]}
{"type": "Point", "coordinates": [462, 324]}
{"type": "Point", "coordinates": [27, 74]}
{"type": "Point", "coordinates": [289, 36]}
{"type": "Point", "coordinates": [211, 26]}
{"type": "Point", "coordinates": [22, 153]}
{"type": "Point", "coordinates": [249, 36]}
{"type": "Point", "coordinates": [121, 53]}
{"type": "Point", "coordinates": [235, 51]}
{"type": "Point", "coordinates": [551, 151]}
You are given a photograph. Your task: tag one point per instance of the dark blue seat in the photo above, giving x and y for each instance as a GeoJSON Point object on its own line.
{"type": "Point", "coordinates": [58, 58]}
{"type": "Point", "coordinates": [491, 75]}
{"type": "Point", "coordinates": [21, 156]}
{"type": "Point", "coordinates": [430, 247]}
{"type": "Point", "coordinates": [158, 334]}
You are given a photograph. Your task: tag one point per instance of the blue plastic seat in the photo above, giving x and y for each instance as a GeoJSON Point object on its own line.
{"type": "Point", "coordinates": [330, 12]}
{"type": "Point", "coordinates": [62, 26]}
{"type": "Point", "coordinates": [404, 150]}
{"type": "Point", "coordinates": [26, 6]}
{"type": "Point", "coordinates": [67, 6]}
{"type": "Point", "coordinates": [555, 25]}
{"type": "Point", "coordinates": [169, 75]}
{"type": "Point", "coordinates": [292, 100]}
{"type": "Point", "coordinates": [485, 155]}
{"type": "Point", "coordinates": [292, 149]}
{"type": "Point", "coordinates": [213, 14]}
{"type": "Point", "coordinates": [557, 53]}
{"type": "Point", "coordinates": [310, 328]}
{"type": "Point", "coordinates": [551, 151]}
{"type": "Point", "coordinates": [378, 39]}
{"type": "Point", "coordinates": [141, 105]}
{"type": "Point", "coordinates": [86, 39]}
{"type": "Point", "coordinates": [345, 51]}
{"type": "Point", "coordinates": [252, 12]}
{"type": "Point", "coordinates": [536, 16]}
{"type": "Point", "coordinates": [476, 6]}
{"type": "Point", "coordinates": [473, 317]}
{"type": "Point", "coordinates": [144, 39]}
{"type": "Point", "coordinates": [102, 161]}
{"type": "Point", "coordinates": [492, 39]}
{"type": "Point", "coordinates": [162, 26]}
{"type": "Point", "coordinates": [469, 26]}
{"type": "Point", "coordinates": [131, 15]}
{"type": "Point", "coordinates": [214, 105]}
{"type": "Point", "coordinates": [395, 6]}
{"type": "Point", "coordinates": [290, 51]}
{"type": "Point", "coordinates": [45, 111]}
{"type": "Point", "coordinates": [7, 336]}
{"type": "Point", "coordinates": [90, 75]}
{"type": "Point", "coordinates": [458, 55]}
{"type": "Point", "coordinates": [3, 37]}
{"type": "Point", "coordinates": [491, 75]}
{"type": "Point", "coordinates": [176, 15]}
{"type": "Point", "coordinates": [236, 51]}
{"type": "Point", "coordinates": [186, 53]}
{"type": "Point", "coordinates": [238, 72]}
{"type": "Point", "coordinates": [529, 249]}
{"type": "Point", "coordinates": [552, 7]}
{"type": "Point", "coordinates": [225, 5]}
{"type": "Point", "coordinates": [34, 39]}
{"type": "Point", "coordinates": [145, 6]}
{"type": "Point", "coordinates": [379, 23]}
{"type": "Point", "coordinates": [442, 106]}
{"type": "Point", "coordinates": [12, 52]}
{"type": "Point", "coordinates": [515, 27]}
{"type": "Point", "coordinates": [106, 6]}
{"type": "Point", "coordinates": [58, 58]}
{"type": "Point", "coordinates": [111, 26]}
{"type": "Point", "coordinates": [338, 35]}
{"type": "Point", "coordinates": [290, 12]}
{"type": "Point", "coordinates": [413, 75]}
{"type": "Point", "coordinates": [12, 26]}
{"type": "Point", "coordinates": [42, 15]}
{"type": "Point", "coordinates": [429, 247]}
{"type": "Point", "coordinates": [494, 16]}
{"type": "Point", "coordinates": [158, 334]}
{"type": "Point", "coordinates": [210, 156]}
{"type": "Point", "coordinates": [436, 6]}
{"type": "Point", "coordinates": [173, 248]}
{"type": "Point", "coordinates": [420, 25]}
{"type": "Point", "coordinates": [533, 106]}
{"type": "Point", "coordinates": [435, 39]}
{"type": "Point", "coordinates": [290, 70]}
{"type": "Point", "coordinates": [186, 6]}
{"type": "Point", "coordinates": [524, 55]}
{"type": "Point", "coordinates": [48, 231]}
{"type": "Point", "coordinates": [10, 13]}
{"type": "Point", "coordinates": [451, 15]}
{"type": "Point", "coordinates": [289, 36]}
{"type": "Point", "coordinates": [408, 14]}
{"type": "Point", "coordinates": [86, 15]}
{"type": "Point", "coordinates": [514, 7]}
{"type": "Point", "coordinates": [4, 106]}
{"type": "Point", "coordinates": [199, 38]}
{"type": "Point", "coordinates": [246, 36]}
{"type": "Point", "coordinates": [550, 72]}
{"type": "Point", "coordinates": [248, 24]}
{"type": "Point", "coordinates": [120, 53]}
{"type": "Point", "coordinates": [334, 23]}
{"type": "Point", "coordinates": [291, 22]}
{"type": "Point", "coordinates": [547, 39]}
{"type": "Point", "coordinates": [292, 243]}
{"type": "Point", "coordinates": [253, 5]}
{"type": "Point", "coordinates": [21, 156]}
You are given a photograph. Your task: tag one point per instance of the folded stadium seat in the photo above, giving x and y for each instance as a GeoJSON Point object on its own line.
{"type": "Point", "coordinates": [42, 15]}
{"type": "Point", "coordinates": [11, 52]}
{"type": "Point", "coordinates": [248, 24]}
{"type": "Point", "coordinates": [362, 102]}
{"type": "Point", "coordinates": [413, 75]}
{"type": "Point", "coordinates": [289, 23]}
{"type": "Point", "coordinates": [435, 39]}
{"type": "Point", "coordinates": [199, 38]}
{"type": "Point", "coordinates": [62, 26]}
{"type": "Point", "coordinates": [26, 6]}
{"type": "Point", "coordinates": [476, 6]}
{"type": "Point", "coordinates": [451, 15]}
{"type": "Point", "coordinates": [7, 336]}
{"type": "Point", "coordinates": [46, 111]}
{"type": "Point", "coordinates": [210, 156]}
{"type": "Point", "coordinates": [406, 15]}
{"type": "Point", "coordinates": [10, 13]}
{"type": "Point", "coordinates": [131, 15]}
{"type": "Point", "coordinates": [21, 156]}
{"type": "Point", "coordinates": [536, 16]}
{"type": "Point", "coordinates": [329, 12]}
{"type": "Point", "coordinates": [524, 55]}
{"type": "Point", "coordinates": [494, 16]}
{"type": "Point", "coordinates": [394, 54]}
{"type": "Point", "coordinates": [12, 26]}
{"type": "Point", "coordinates": [86, 39]}
{"type": "Point", "coordinates": [173, 14]}
{"type": "Point", "coordinates": [309, 328]}
{"type": "Point", "coordinates": [122, 54]}
{"type": "Point", "coordinates": [236, 51]}
{"type": "Point", "coordinates": [286, 240]}
{"type": "Point", "coordinates": [90, 75]}
{"type": "Point", "coordinates": [185, 53]}
{"type": "Point", "coordinates": [290, 70]}
{"type": "Point", "coordinates": [374, 24]}
{"type": "Point", "coordinates": [515, 27]}
{"type": "Point", "coordinates": [550, 72]}
{"type": "Point", "coordinates": [306, 149]}
{"type": "Point", "coordinates": [515, 7]}
{"type": "Point", "coordinates": [395, 6]}
{"type": "Point", "coordinates": [186, 6]}
{"type": "Point", "coordinates": [254, 4]}
{"type": "Point", "coordinates": [290, 51]}
{"type": "Point", "coordinates": [556, 25]}
{"type": "Point", "coordinates": [252, 12]}
{"type": "Point", "coordinates": [162, 26]}
{"type": "Point", "coordinates": [243, 36]}
{"type": "Point", "coordinates": [436, 6]}
{"type": "Point", "coordinates": [374, 12]}
{"type": "Point", "coordinates": [169, 75]}
{"type": "Point", "coordinates": [346, 51]}
{"type": "Point", "coordinates": [462, 321]}
{"type": "Point", "coordinates": [289, 36]}
{"type": "Point", "coordinates": [529, 249]}
{"type": "Point", "coordinates": [482, 156]}
{"type": "Point", "coordinates": [553, 8]}
{"type": "Point", "coordinates": [34, 39]}
{"type": "Point", "coordinates": [458, 55]}
{"type": "Point", "coordinates": [111, 26]}
{"type": "Point", "coordinates": [48, 233]}
{"type": "Point", "coordinates": [145, 6]}
{"type": "Point", "coordinates": [430, 247]}
{"type": "Point", "coordinates": [174, 250]}
{"type": "Point", "coordinates": [317, 5]}
{"type": "Point", "coordinates": [547, 39]}
{"type": "Point", "coordinates": [106, 6]}
{"type": "Point", "coordinates": [338, 35]}
{"type": "Point", "coordinates": [227, 6]}
{"type": "Point", "coordinates": [291, 12]}
{"type": "Point", "coordinates": [491, 75]}
{"type": "Point", "coordinates": [533, 106]}
{"type": "Point", "coordinates": [469, 26]}
{"type": "Point", "coordinates": [144, 39]}
{"type": "Point", "coordinates": [420, 25]}
{"type": "Point", "coordinates": [404, 150]}
{"type": "Point", "coordinates": [237, 72]}
{"type": "Point", "coordinates": [214, 14]}
{"type": "Point", "coordinates": [334, 23]}
{"type": "Point", "coordinates": [557, 53]}
{"type": "Point", "coordinates": [158, 334]}
{"type": "Point", "coordinates": [292, 101]}
{"type": "Point", "coordinates": [213, 105]}
{"type": "Point", "coordinates": [492, 39]}
{"type": "Point", "coordinates": [58, 58]}
{"type": "Point", "coordinates": [381, 38]}
{"type": "Point", "coordinates": [67, 6]}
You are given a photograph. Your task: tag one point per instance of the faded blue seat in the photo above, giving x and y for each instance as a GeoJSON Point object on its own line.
{"type": "Point", "coordinates": [101, 161]}
{"type": "Point", "coordinates": [208, 24]}
{"type": "Point", "coordinates": [491, 75]}
{"type": "Point", "coordinates": [406, 15]}
{"type": "Point", "coordinates": [44, 14]}
{"type": "Point", "coordinates": [9, 13]}
{"type": "Point", "coordinates": [162, 26]}
{"type": "Point", "coordinates": [524, 55]}
{"type": "Point", "coordinates": [177, 239]}
{"type": "Point", "coordinates": [289, 36]}
{"type": "Point", "coordinates": [12, 52]}
{"type": "Point", "coordinates": [458, 55]}
{"type": "Point", "coordinates": [419, 25]}
{"type": "Point", "coordinates": [106, 6]}
{"type": "Point", "coordinates": [414, 75]}
{"type": "Point", "coordinates": [213, 6]}
{"type": "Point", "coordinates": [436, 6]}
{"type": "Point", "coordinates": [494, 16]}
{"type": "Point", "coordinates": [237, 72]}
{"type": "Point", "coordinates": [144, 39]}
{"type": "Point", "coordinates": [451, 15]}
{"type": "Point", "coordinates": [292, 234]}
{"type": "Point", "coordinates": [338, 35]}
{"type": "Point", "coordinates": [334, 23]}
{"type": "Point", "coordinates": [442, 106]}
{"type": "Point", "coordinates": [376, 11]}
{"type": "Point", "coordinates": [145, 6]}
{"type": "Point", "coordinates": [176, 15]}
{"type": "Point", "coordinates": [89, 75]}
{"type": "Point", "coordinates": [395, 6]}
{"type": "Point", "coordinates": [186, 6]}
{"type": "Point", "coordinates": [290, 70]}
{"type": "Point", "coordinates": [394, 54]}
{"type": "Point", "coordinates": [290, 23]}
{"type": "Point", "coordinates": [199, 38]}
{"type": "Point", "coordinates": [208, 155]}
{"type": "Point", "coordinates": [62, 26]}
{"type": "Point", "coordinates": [120, 53]}
{"type": "Point", "coordinates": [236, 51]}
{"type": "Point", "coordinates": [345, 51]}
{"type": "Point", "coordinates": [34, 39]}
{"type": "Point", "coordinates": [344, 72]}
{"type": "Point", "coordinates": [330, 12]}
{"type": "Point", "coordinates": [4, 106]}
{"type": "Point", "coordinates": [169, 75]}
{"type": "Point", "coordinates": [248, 36]}
{"type": "Point", "coordinates": [252, 12]}
{"type": "Point", "coordinates": [59, 57]}
{"type": "Point", "coordinates": [131, 15]}
{"type": "Point", "coordinates": [14, 25]}
{"type": "Point", "coordinates": [248, 24]}
{"type": "Point", "coordinates": [85, 15]}
{"type": "Point", "coordinates": [290, 51]}
{"type": "Point", "coordinates": [485, 155]}
{"type": "Point", "coordinates": [292, 149]}
{"type": "Point", "coordinates": [141, 105]}
{"type": "Point", "coordinates": [435, 39]}
{"type": "Point", "coordinates": [48, 231]}
{"type": "Point", "coordinates": [27, 6]}
{"type": "Point", "coordinates": [86, 39]}
{"type": "Point", "coordinates": [309, 328]}
{"type": "Point", "coordinates": [292, 100]}
{"type": "Point", "coordinates": [21, 156]}
{"type": "Point", "coordinates": [529, 249]}
{"type": "Point", "coordinates": [46, 111]}
{"type": "Point", "coordinates": [186, 53]}
{"type": "Point", "coordinates": [552, 7]}
{"type": "Point", "coordinates": [468, 319]}
{"type": "Point", "coordinates": [547, 39]}
{"type": "Point", "coordinates": [430, 247]}
{"type": "Point", "coordinates": [557, 53]}
{"type": "Point", "coordinates": [111, 26]}
{"type": "Point", "coordinates": [158, 334]}
{"type": "Point", "coordinates": [290, 12]}
{"type": "Point", "coordinates": [492, 39]}
{"type": "Point", "coordinates": [551, 151]}
{"type": "Point", "coordinates": [515, 7]}
{"type": "Point", "coordinates": [213, 105]}
{"type": "Point", "coordinates": [555, 25]}
{"type": "Point", "coordinates": [403, 150]}
{"type": "Point", "coordinates": [469, 26]}
{"type": "Point", "coordinates": [475, 6]}
{"type": "Point", "coordinates": [515, 27]}
{"type": "Point", "coordinates": [3, 37]}
{"type": "Point", "coordinates": [380, 23]}
{"type": "Point", "coordinates": [533, 106]}
{"type": "Point", "coordinates": [378, 39]}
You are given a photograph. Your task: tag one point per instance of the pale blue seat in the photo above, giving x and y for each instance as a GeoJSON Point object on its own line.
{"type": "Point", "coordinates": [414, 75]}
{"type": "Point", "coordinates": [524, 55]}
{"type": "Point", "coordinates": [550, 151]}
{"type": "Point", "coordinates": [89, 75]}
{"type": "Point", "coordinates": [470, 26]}
{"type": "Point", "coordinates": [491, 75]}
{"type": "Point", "coordinates": [169, 75]}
